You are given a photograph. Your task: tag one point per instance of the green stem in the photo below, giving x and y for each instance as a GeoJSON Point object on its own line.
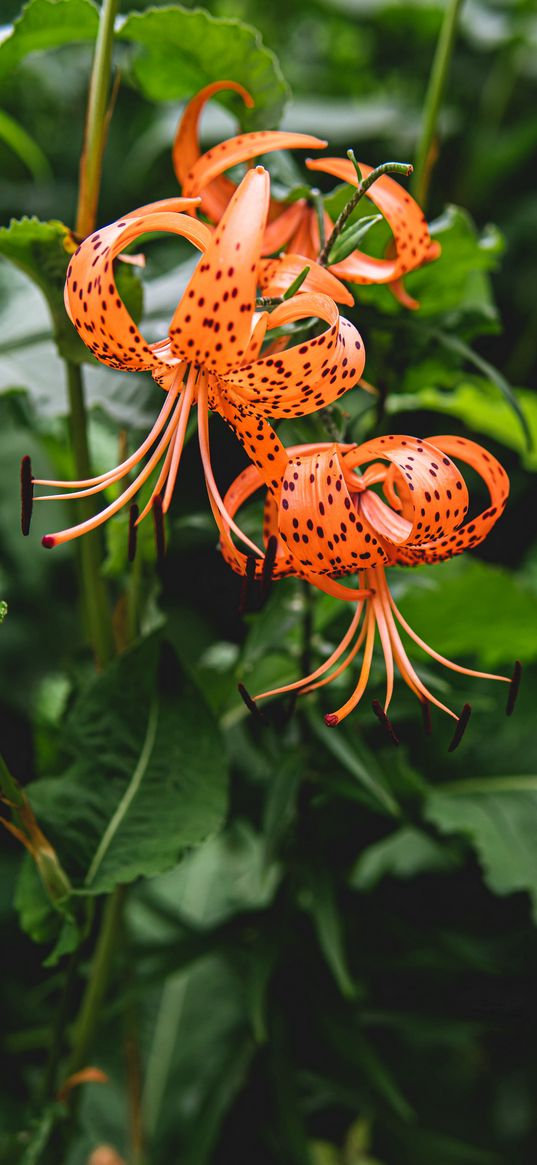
{"type": "Point", "coordinates": [433, 101]}
{"type": "Point", "coordinates": [89, 547]}
{"type": "Point", "coordinates": [88, 1017]}
{"type": "Point", "coordinates": [362, 188]}
{"type": "Point", "coordinates": [96, 122]}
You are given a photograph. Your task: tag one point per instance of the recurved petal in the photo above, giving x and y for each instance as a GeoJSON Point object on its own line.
{"type": "Point", "coordinates": [318, 520]}
{"type": "Point", "coordinates": [276, 275]}
{"type": "Point", "coordinates": [240, 491]}
{"type": "Point", "coordinates": [435, 492]}
{"type": "Point", "coordinates": [91, 297]}
{"type": "Point", "coordinates": [476, 529]}
{"type": "Point", "coordinates": [257, 437]}
{"type": "Point", "coordinates": [212, 323]}
{"type": "Point", "coordinates": [307, 376]}
{"type": "Point", "coordinates": [413, 242]}
{"type": "Point", "coordinates": [283, 225]}
{"type": "Point", "coordinates": [185, 150]}
{"type": "Point", "coordinates": [242, 148]}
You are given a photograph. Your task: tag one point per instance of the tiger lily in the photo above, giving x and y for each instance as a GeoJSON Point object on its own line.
{"type": "Point", "coordinates": [211, 356]}
{"type": "Point", "coordinates": [295, 226]}
{"type": "Point", "coordinates": [331, 521]}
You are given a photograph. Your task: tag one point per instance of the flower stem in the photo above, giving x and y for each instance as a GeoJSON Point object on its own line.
{"type": "Point", "coordinates": [88, 1017]}
{"type": "Point", "coordinates": [433, 100]}
{"type": "Point", "coordinates": [362, 188]}
{"type": "Point", "coordinates": [96, 122]}
{"type": "Point", "coordinates": [89, 547]}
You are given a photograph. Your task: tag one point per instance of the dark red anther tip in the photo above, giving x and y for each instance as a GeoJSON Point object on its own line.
{"type": "Point", "coordinates": [133, 532]}
{"type": "Point", "coordinates": [513, 688]}
{"type": "Point", "coordinates": [385, 721]}
{"type": "Point", "coordinates": [250, 703]}
{"type": "Point", "coordinates": [48, 541]}
{"type": "Point", "coordinates": [331, 720]}
{"type": "Point", "coordinates": [160, 533]}
{"type": "Point", "coordinates": [268, 565]}
{"type": "Point", "coordinates": [426, 715]}
{"type": "Point", "coordinates": [461, 727]}
{"type": "Point", "coordinates": [27, 495]}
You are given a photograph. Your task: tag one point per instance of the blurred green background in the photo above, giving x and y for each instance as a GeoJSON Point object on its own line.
{"type": "Point", "coordinates": [344, 974]}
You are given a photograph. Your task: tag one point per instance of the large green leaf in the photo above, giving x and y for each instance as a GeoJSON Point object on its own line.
{"type": "Point", "coordinates": [473, 400]}
{"type": "Point", "coordinates": [403, 854]}
{"type": "Point", "coordinates": [456, 285]}
{"type": "Point", "coordinates": [178, 51]}
{"type": "Point", "coordinates": [47, 24]}
{"type": "Point", "coordinates": [148, 777]}
{"type": "Point", "coordinates": [499, 816]}
{"type": "Point", "coordinates": [467, 608]}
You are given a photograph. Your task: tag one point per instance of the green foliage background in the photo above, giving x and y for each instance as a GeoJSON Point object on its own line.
{"type": "Point", "coordinates": [328, 949]}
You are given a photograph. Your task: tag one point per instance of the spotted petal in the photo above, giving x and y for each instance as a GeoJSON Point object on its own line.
{"type": "Point", "coordinates": [466, 536]}
{"type": "Point", "coordinates": [186, 151]}
{"type": "Point", "coordinates": [435, 494]}
{"type": "Point", "coordinates": [91, 297]}
{"type": "Point", "coordinates": [276, 275]}
{"type": "Point", "coordinates": [308, 376]}
{"type": "Point", "coordinates": [411, 237]}
{"type": "Point", "coordinates": [212, 323]}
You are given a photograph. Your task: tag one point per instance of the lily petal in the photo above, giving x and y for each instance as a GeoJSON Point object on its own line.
{"type": "Point", "coordinates": [212, 323]}
{"type": "Point", "coordinates": [276, 275]}
{"type": "Point", "coordinates": [91, 297]}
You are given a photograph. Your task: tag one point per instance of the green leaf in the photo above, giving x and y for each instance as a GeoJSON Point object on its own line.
{"type": "Point", "coordinates": [357, 761]}
{"type": "Point", "coordinates": [466, 608]}
{"type": "Point", "coordinates": [24, 146]}
{"type": "Point", "coordinates": [499, 816]}
{"type": "Point", "coordinates": [457, 285]}
{"type": "Point", "coordinates": [178, 51]}
{"type": "Point", "coordinates": [42, 251]}
{"type": "Point", "coordinates": [403, 854]}
{"type": "Point", "coordinates": [349, 239]}
{"type": "Point", "coordinates": [149, 774]}
{"type": "Point", "coordinates": [47, 24]}
{"type": "Point", "coordinates": [475, 401]}
{"type": "Point", "coordinates": [320, 901]}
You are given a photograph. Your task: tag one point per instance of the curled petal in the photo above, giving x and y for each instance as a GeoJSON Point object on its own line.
{"type": "Point", "coordinates": [318, 520]}
{"type": "Point", "coordinates": [408, 224]}
{"type": "Point", "coordinates": [466, 536]}
{"type": "Point", "coordinates": [436, 494]}
{"type": "Point", "coordinates": [307, 376]}
{"type": "Point", "coordinates": [239, 149]}
{"type": "Point", "coordinates": [186, 151]}
{"type": "Point", "coordinates": [212, 323]}
{"type": "Point", "coordinates": [239, 492]}
{"type": "Point", "coordinates": [276, 275]}
{"type": "Point", "coordinates": [91, 297]}
{"type": "Point", "coordinates": [258, 438]}
{"type": "Point", "coordinates": [284, 223]}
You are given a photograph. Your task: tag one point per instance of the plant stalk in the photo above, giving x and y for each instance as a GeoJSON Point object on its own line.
{"type": "Point", "coordinates": [89, 547]}
{"type": "Point", "coordinates": [98, 981]}
{"type": "Point", "coordinates": [425, 155]}
{"type": "Point", "coordinates": [362, 188]}
{"type": "Point", "coordinates": [96, 128]}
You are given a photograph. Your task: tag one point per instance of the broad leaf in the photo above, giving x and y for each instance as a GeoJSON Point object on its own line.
{"type": "Point", "coordinates": [456, 285]}
{"type": "Point", "coordinates": [499, 816]}
{"type": "Point", "coordinates": [42, 251]}
{"type": "Point", "coordinates": [148, 777]}
{"type": "Point", "coordinates": [403, 854]}
{"type": "Point", "coordinates": [466, 608]}
{"type": "Point", "coordinates": [179, 51]}
{"type": "Point", "coordinates": [47, 24]}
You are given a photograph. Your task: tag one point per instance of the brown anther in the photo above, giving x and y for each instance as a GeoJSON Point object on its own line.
{"type": "Point", "coordinates": [385, 721]}
{"type": "Point", "coordinates": [247, 583]}
{"type": "Point", "coordinates": [461, 727]}
{"type": "Point", "coordinates": [268, 565]}
{"type": "Point", "coordinates": [513, 688]}
{"type": "Point", "coordinates": [160, 533]}
{"type": "Point", "coordinates": [426, 715]}
{"type": "Point", "coordinates": [250, 703]}
{"type": "Point", "coordinates": [133, 532]}
{"type": "Point", "coordinates": [27, 495]}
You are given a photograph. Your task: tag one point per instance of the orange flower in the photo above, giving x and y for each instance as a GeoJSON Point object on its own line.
{"type": "Point", "coordinates": [296, 225]}
{"type": "Point", "coordinates": [331, 521]}
{"type": "Point", "coordinates": [211, 356]}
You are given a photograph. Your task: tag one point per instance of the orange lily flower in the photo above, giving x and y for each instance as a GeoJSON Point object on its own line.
{"type": "Point", "coordinates": [331, 521]}
{"type": "Point", "coordinates": [211, 356]}
{"type": "Point", "coordinates": [296, 225]}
